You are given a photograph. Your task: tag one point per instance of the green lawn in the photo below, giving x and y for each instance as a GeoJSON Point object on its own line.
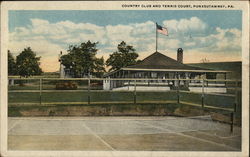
{"type": "Point", "coordinates": [50, 85]}
{"type": "Point", "coordinates": [209, 99]}
{"type": "Point", "coordinates": [125, 96]}
{"type": "Point", "coordinates": [120, 98]}
{"type": "Point", "coordinates": [82, 96]}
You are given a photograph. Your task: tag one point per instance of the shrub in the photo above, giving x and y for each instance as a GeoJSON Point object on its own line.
{"type": "Point", "coordinates": [66, 85]}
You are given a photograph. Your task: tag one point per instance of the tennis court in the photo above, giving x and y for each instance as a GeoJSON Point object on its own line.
{"type": "Point", "coordinates": [164, 133]}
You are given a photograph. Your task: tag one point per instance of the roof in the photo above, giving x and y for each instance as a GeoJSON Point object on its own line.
{"type": "Point", "coordinates": [158, 60]}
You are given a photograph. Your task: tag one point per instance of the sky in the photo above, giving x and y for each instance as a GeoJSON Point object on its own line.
{"type": "Point", "coordinates": [210, 34]}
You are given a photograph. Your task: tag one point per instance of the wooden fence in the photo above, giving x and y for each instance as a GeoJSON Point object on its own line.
{"type": "Point", "coordinates": [175, 95]}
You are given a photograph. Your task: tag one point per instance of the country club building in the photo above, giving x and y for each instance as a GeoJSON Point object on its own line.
{"type": "Point", "coordinates": [159, 66]}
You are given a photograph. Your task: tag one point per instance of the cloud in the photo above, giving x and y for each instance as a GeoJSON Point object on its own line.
{"type": "Point", "coordinates": [142, 29]}
{"type": "Point", "coordinates": [195, 56]}
{"type": "Point", "coordinates": [39, 22]}
{"type": "Point", "coordinates": [192, 34]}
{"type": "Point", "coordinates": [169, 44]}
{"type": "Point", "coordinates": [223, 40]}
{"type": "Point", "coordinates": [44, 27]}
{"type": "Point", "coordinates": [194, 24]}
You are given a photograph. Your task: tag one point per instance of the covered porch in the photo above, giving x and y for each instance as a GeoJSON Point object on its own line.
{"type": "Point", "coordinates": [161, 79]}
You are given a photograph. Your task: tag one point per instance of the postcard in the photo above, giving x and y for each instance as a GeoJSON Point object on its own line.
{"type": "Point", "coordinates": [124, 78]}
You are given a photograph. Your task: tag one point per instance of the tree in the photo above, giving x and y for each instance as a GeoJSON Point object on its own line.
{"type": "Point", "coordinates": [99, 67]}
{"type": "Point", "coordinates": [11, 64]}
{"type": "Point", "coordinates": [124, 56]}
{"type": "Point", "coordinates": [81, 60]}
{"type": "Point", "coordinates": [27, 63]}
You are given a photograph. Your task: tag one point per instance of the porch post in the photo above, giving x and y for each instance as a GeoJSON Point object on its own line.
{"type": "Point", "coordinates": [178, 91]}
{"type": "Point", "coordinates": [134, 91]}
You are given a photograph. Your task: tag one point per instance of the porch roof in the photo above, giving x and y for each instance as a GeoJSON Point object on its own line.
{"type": "Point", "coordinates": [176, 70]}
{"type": "Point", "coordinates": [161, 63]}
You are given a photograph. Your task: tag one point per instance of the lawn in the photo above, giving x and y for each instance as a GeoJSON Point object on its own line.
{"type": "Point", "coordinates": [209, 99]}
{"type": "Point", "coordinates": [121, 96]}
{"type": "Point", "coordinates": [22, 100]}
{"type": "Point", "coordinates": [95, 96]}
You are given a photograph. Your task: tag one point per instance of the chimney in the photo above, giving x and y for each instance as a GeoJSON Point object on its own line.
{"type": "Point", "coordinates": [180, 55]}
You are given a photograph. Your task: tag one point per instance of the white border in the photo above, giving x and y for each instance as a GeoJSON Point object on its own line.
{"type": "Point", "coordinates": [116, 5]}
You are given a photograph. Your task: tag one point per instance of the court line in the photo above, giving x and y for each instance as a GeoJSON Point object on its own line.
{"type": "Point", "coordinates": [104, 142]}
{"type": "Point", "coordinates": [186, 129]}
{"type": "Point", "coordinates": [230, 137]}
{"type": "Point", "coordinates": [200, 131]}
{"type": "Point", "coordinates": [196, 138]}
{"type": "Point", "coordinates": [114, 119]}
{"type": "Point", "coordinates": [144, 123]}
{"type": "Point", "coordinates": [13, 125]}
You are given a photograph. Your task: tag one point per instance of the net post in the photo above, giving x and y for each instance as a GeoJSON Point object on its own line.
{"type": "Point", "coordinates": [232, 122]}
{"type": "Point", "coordinates": [88, 91]}
{"type": "Point", "coordinates": [40, 91]}
{"type": "Point", "coordinates": [202, 96]}
{"type": "Point", "coordinates": [134, 91]}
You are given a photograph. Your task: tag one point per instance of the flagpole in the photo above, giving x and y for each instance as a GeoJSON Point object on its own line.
{"type": "Point", "coordinates": [156, 36]}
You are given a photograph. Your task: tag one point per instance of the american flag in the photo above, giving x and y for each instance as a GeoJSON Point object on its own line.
{"type": "Point", "coordinates": [161, 29]}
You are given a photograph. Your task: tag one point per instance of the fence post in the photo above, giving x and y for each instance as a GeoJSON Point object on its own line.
{"type": "Point", "coordinates": [88, 91]}
{"type": "Point", "coordinates": [235, 106]}
{"type": "Point", "coordinates": [202, 96]}
{"type": "Point", "coordinates": [225, 77]}
{"type": "Point", "coordinates": [236, 96]}
{"type": "Point", "coordinates": [40, 91]}
{"type": "Point", "coordinates": [232, 122]}
{"type": "Point", "coordinates": [134, 91]}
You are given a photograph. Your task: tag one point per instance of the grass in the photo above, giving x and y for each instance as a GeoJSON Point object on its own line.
{"type": "Point", "coordinates": [44, 87]}
{"type": "Point", "coordinates": [68, 99]}
{"type": "Point", "coordinates": [82, 96]}
{"type": "Point", "coordinates": [47, 86]}
{"type": "Point", "coordinates": [127, 96]}
{"type": "Point", "coordinates": [209, 100]}
{"type": "Point", "coordinates": [23, 97]}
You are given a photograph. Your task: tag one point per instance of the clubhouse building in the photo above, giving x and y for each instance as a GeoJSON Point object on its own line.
{"type": "Point", "coordinates": [161, 69]}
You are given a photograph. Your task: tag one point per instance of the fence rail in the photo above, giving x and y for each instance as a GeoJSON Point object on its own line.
{"type": "Point", "coordinates": [75, 79]}
{"type": "Point", "coordinates": [194, 92]}
{"type": "Point", "coordinates": [91, 90]}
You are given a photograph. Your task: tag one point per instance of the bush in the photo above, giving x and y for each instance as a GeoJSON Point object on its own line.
{"type": "Point", "coordinates": [66, 85]}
